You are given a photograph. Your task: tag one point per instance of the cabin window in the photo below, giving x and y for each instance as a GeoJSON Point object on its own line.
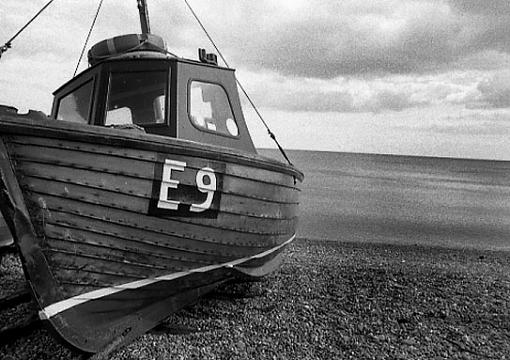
{"type": "Point", "coordinates": [210, 110]}
{"type": "Point", "coordinates": [75, 106]}
{"type": "Point", "coordinates": [137, 98]}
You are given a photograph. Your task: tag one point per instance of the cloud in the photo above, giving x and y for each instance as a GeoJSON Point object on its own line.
{"type": "Point", "coordinates": [362, 95]}
{"type": "Point", "coordinates": [62, 28]}
{"type": "Point", "coordinates": [314, 38]}
{"type": "Point", "coordinates": [492, 7]}
{"type": "Point", "coordinates": [482, 129]}
{"type": "Point", "coordinates": [495, 92]}
{"type": "Point", "coordinates": [485, 60]}
{"type": "Point", "coordinates": [327, 39]}
{"type": "Point", "coordinates": [334, 101]}
{"type": "Point", "coordinates": [318, 56]}
{"type": "Point", "coordinates": [27, 83]}
{"type": "Point", "coordinates": [390, 100]}
{"type": "Point", "coordinates": [345, 101]}
{"type": "Point", "coordinates": [353, 38]}
{"type": "Point", "coordinates": [478, 123]}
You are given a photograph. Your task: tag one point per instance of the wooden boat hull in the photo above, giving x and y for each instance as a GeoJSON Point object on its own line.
{"type": "Point", "coordinates": [117, 229]}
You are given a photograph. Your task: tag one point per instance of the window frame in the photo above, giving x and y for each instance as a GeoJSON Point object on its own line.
{"type": "Point", "coordinates": [85, 81]}
{"type": "Point", "coordinates": [204, 129]}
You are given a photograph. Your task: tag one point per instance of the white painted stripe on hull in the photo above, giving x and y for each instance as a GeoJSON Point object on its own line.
{"type": "Point", "coordinates": [58, 307]}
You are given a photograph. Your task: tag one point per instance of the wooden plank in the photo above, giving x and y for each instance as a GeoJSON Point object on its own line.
{"type": "Point", "coordinates": [142, 237]}
{"type": "Point", "coordinates": [164, 226]}
{"type": "Point", "coordinates": [261, 175]}
{"type": "Point", "coordinates": [71, 278]}
{"type": "Point", "coordinates": [131, 249]}
{"type": "Point", "coordinates": [75, 282]}
{"type": "Point", "coordinates": [263, 191]}
{"type": "Point", "coordinates": [94, 196]}
{"type": "Point", "coordinates": [136, 154]}
{"type": "Point", "coordinates": [96, 177]}
{"type": "Point", "coordinates": [92, 178]}
{"type": "Point", "coordinates": [246, 224]}
{"type": "Point", "coordinates": [100, 263]}
{"type": "Point", "coordinates": [93, 248]}
{"type": "Point", "coordinates": [82, 160]}
{"type": "Point", "coordinates": [130, 186]}
{"type": "Point", "coordinates": [226, 221]}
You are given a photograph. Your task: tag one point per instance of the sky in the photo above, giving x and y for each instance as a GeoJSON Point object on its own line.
{"type": "Point", "coordinates": [409, 77]}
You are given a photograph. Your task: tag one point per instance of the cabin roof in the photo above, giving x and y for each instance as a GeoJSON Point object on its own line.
{"type": "Point", "coordinates": [141, 57]}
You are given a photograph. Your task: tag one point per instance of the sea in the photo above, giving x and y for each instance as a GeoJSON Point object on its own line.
{"type": "Point", "coordinates": [368, 198]}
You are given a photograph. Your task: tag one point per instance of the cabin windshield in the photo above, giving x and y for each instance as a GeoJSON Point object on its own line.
{"type": "Point", "coordinates": [137, 98]}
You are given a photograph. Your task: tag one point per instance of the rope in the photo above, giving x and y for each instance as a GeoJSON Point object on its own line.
{"type": "Point", "coordinates": [8, 44]}
{"type": "Point", "coordinates": [271, 134]}
{"type": "Point", "coordinates": [88, 37]}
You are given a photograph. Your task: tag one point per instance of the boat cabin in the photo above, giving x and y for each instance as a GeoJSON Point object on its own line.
{"type": "Point", "coordinates": [146, 88]}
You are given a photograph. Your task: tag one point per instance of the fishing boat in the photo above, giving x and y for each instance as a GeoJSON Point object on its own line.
{"type": "Point", "coordinates": [140, 192]}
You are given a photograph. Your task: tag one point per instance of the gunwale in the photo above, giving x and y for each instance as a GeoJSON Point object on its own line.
{"type": "Point", "coordinates": [27, 126]}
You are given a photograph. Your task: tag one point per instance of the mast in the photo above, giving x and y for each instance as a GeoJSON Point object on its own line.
{"type": "Point", "coordinates": [144, 16]}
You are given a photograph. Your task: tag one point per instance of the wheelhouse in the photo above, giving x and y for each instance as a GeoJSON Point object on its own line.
{"type": "Point", "coordinates": [159, 94]}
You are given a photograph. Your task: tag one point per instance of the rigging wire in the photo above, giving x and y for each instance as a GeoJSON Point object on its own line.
{"type": "Point", "coordinates": [88, 37]}
{"type": "Point", "coordinates": [271, 134]}
{"type": "Point", "coordinates": [8, 44]}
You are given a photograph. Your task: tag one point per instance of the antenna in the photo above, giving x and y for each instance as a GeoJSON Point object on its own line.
{"type": "Point", "coordinates": [144, 16]}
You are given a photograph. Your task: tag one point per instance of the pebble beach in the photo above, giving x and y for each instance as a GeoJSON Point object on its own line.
{"type": "Point", "coordinates": [330, 300]}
